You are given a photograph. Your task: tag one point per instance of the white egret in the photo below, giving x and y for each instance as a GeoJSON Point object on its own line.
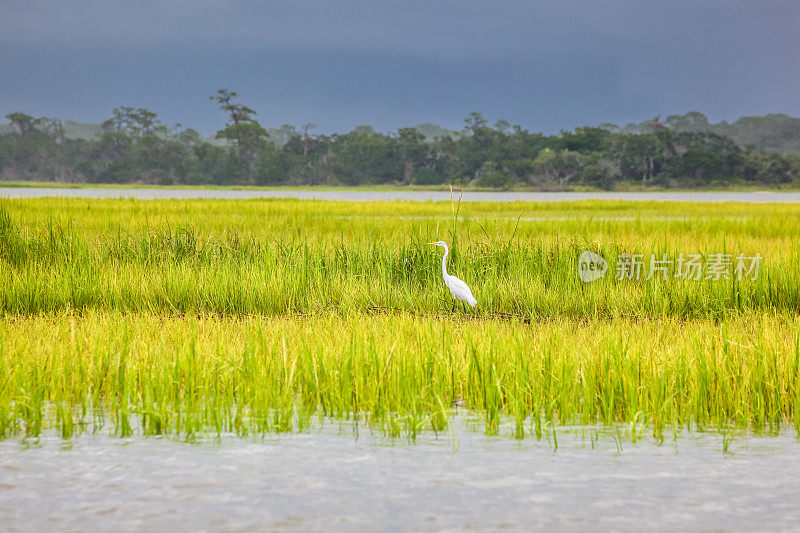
{"type": "Point", "coordinates": [458, 288]}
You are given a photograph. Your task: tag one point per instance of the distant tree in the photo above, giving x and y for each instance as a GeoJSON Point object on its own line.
{"type": "Point", "coordinates": [413, 149]}
{"type": "Point", "coordinates": [242, 128]}
{"type": "Point", "coordinates": [189, 137]}
{"type": "Point", "coordinates": [586, 140]}
{"type": "Point", "coordinates": [147, 123]}
{"type": "Point", "coordinates": [640, 155]}
{"type": "Point", "coordinates": [767, 168]}
{"type": "Point", "coordinates": [364, 129]}
{"type": "Point", "coordinates": [53, 127]}
{"type": "Point", "coordinates": [494, 176]}
{"type": "Point", "coordinates": [280, 136]}
{"type": "Point", "coordinates": [600, 172]}
{"type": "Point", "coordinates": [474, 121]}
{"type": "Point", "coordinates": [774, 132]}
{"type": "Point", "coordinates": [434, 131]}
{"type": "Point", "coordinates": [656, 124]}
{"type": "Point", "coordinates": [119, 121]}
{"type": "Point", "coordinates": [137, 122]}
{"type": "Point", "coordinates": [359, 157]}
{"type": "Point", "coordinates": [475, 146]}
{"type": "Point", "coordinates": [693, 121]}
{"type": "Point", "coordinates": [306, 138]}
{"type": "Point", "coordinates": [25, 123]}
{"type": "Point", "coordinates": [558, 166]}
{"type": "Point", "coordinates": [502, 126]}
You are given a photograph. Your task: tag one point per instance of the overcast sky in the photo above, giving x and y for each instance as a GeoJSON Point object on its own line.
{"type": "Point", "coordinates": [543, 65]}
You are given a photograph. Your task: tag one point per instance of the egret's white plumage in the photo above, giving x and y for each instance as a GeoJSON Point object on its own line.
{"type": "Point", "coordinates": [458, 288]}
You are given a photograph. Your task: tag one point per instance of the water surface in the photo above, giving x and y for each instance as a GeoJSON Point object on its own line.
{"type": "Point", "coordinates": [371, 196]}
{"type": "Point", "coordinates": [335, 481]}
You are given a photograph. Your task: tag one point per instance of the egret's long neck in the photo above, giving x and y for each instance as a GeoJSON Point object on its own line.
{"type": "Point", "coordinates": [444, 261]}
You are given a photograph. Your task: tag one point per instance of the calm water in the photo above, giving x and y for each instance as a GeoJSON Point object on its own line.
{"type": "Point", "coordinates": [364, 196]}
{"type": "Point", "coordinates": [333, 481]}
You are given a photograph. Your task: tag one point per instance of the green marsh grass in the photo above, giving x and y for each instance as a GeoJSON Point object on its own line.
{"type": "Point", "coordinates": [290, 257]}
{"type": "Point", "coordinates": [396, 374]}
{"type": "Point", "coordinates": [189, 318]}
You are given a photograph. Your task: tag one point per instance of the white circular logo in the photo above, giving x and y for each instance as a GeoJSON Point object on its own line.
{"type": "Point", "coordinates": [591, 266]}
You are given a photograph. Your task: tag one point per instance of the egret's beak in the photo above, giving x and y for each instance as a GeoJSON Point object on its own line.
{"type": "Point", "coordinates": [433, 243]}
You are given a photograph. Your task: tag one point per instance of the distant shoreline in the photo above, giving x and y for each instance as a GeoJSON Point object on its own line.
{"type": "Point", "coordinates": [388, 188]}
{"type": "Point", "coordinates": [395, 195]}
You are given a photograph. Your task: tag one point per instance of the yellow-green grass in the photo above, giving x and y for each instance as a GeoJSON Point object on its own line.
{"type": "Point", "coordinates": [282, 256]}
{"type": "Point", "coordinates": [399, 374]}
{"type": "Point", "coordinates": [181, 317]}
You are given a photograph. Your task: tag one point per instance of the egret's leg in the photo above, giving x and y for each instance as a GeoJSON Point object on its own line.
{"type": "Point", "coordinates": [454, 306]}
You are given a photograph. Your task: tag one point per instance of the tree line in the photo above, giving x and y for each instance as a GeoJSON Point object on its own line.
{"type": "Point", "coordinates": [136, 147]}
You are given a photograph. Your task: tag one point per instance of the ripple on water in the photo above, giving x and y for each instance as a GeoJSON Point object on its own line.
{"type": "Point", "coordinates": [330, 480]}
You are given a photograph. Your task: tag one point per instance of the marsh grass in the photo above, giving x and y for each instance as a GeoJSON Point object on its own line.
{"type": "Point", "coordinates": [399, 375]}
{"type": "Point", "coordinates": [187, 318]}
{"type": "Point", "coordinates": [187, 269]}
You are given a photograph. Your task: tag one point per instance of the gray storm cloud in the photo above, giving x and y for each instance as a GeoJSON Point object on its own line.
{"type": "Point", "coordinates": [546, 65]}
